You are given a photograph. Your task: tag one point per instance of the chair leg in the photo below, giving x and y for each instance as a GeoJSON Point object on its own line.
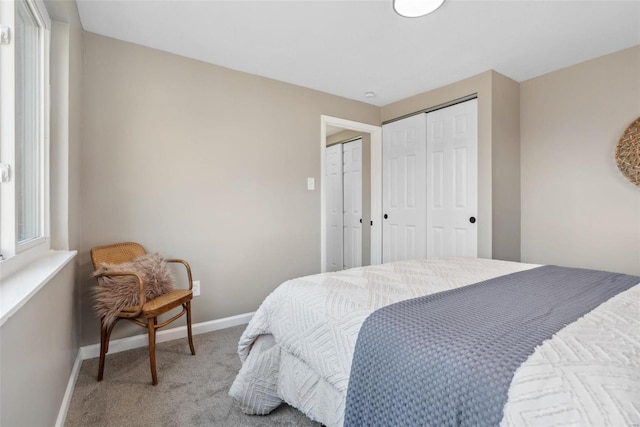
{"type": "Point", "coordinates": [151, 323]}
{"type": "Point", "coordinates": [103, 338]}
{"type": "Point", "coordinates": [193, 349]}
{"type": "Point", "coordinates": [108, 336]}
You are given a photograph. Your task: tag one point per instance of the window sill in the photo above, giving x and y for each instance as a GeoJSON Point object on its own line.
{"type": "Point", "coordinates": [18, 288]}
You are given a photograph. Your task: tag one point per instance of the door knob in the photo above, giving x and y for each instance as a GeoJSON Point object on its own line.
{"type": "Point", "coordinates": [472, 220]}
{"type": "Point", "coordinates": [360, 220]}
{"type": "Point", "coordinates": [386, 216]}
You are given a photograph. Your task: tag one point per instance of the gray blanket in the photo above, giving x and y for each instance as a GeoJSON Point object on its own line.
{"type": "Point", "coordinates": [447, 359]}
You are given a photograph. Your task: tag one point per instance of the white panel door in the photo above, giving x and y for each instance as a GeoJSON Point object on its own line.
{"type": "Point", "coordinates": [334, 214]}
{"type": "Point", "coordinates": [404, 189]}
{"type": "Point", "coordinates": [452, 190]}
{"type": "Point", "coordinates": [352, 205]}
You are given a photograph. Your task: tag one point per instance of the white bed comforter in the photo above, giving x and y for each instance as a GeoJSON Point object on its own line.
{"type": "Point", "coordinates": [299, 345]}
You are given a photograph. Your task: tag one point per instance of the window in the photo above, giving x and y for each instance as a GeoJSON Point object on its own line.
{"type": "Point", "coordinates": [24, 125]}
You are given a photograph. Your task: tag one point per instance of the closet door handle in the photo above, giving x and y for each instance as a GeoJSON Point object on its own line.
{"type": "Point", "coordinates": [360, 220]}
{"type": "Point", "coordinates": [472, 220]}
{"type": "Point", "coordinates": [386, 216]}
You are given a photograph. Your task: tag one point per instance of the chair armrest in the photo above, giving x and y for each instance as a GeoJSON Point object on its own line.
{"type": "Point", "coordinates": [186, 265]}
{"type": "Point", "coordinates": [141, 297]}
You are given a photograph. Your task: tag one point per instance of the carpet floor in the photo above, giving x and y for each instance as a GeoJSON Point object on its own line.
{"type": "Point", "coordinates": [192, 390]}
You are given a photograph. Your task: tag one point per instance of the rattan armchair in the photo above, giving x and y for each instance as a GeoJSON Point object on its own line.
{"type": "Point", "coordinates": [146, 313]}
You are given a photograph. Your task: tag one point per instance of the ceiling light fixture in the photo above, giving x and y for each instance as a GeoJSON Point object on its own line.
{"type": "Point", "coordinates": [369, 94]}
{"type": "Point", "coordinates": [416, 8]}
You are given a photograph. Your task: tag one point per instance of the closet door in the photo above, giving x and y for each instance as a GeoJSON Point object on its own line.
{"type": "Point", "coordinates": [334, 210]}
{"type": "Point", "coordinates": [452, 196]}
{"type": "Point", "coordinates": [352, 203]}
{"type": "Point", "coordinates": [404, 189]}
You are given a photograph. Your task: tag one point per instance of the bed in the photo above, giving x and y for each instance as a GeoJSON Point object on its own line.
{"type": "Point", "coordinates": [298, 347]}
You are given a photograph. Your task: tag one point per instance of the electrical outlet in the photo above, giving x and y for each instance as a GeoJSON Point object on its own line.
{"type": "Point", "coordinates": [196, 288]}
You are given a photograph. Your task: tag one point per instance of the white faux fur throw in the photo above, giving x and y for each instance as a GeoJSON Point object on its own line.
{"type": "Point", "coordinates": [112, 294]}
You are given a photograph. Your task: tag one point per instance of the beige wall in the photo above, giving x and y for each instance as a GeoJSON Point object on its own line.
{"type": "Point", "coordinates": [38, 347]}
{"type": "Point", "coordinates": [505, 167]}
{"type": "Point", "coordinates": [498, 207]}
{"type": "Point", "coordinates": [204, 163]}
{"type": "Point", "coordinates": [66, 123]}
{"type": "Point", "coordinates": [59, 135]}
{"type": "Point", "coordinates": [577, 208]}
{"type": "Point", "coordinates": [76, 77]}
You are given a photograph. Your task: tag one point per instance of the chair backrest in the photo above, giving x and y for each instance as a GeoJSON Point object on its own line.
{"type": "Point", "coordinates": [116, 253]}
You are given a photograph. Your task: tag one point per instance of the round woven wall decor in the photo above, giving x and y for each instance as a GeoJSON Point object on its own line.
{"type": "Point", "coordinates": [628, 153]}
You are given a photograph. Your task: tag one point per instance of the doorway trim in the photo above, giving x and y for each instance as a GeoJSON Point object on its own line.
{"type": "Point", "coordinates": [376, 184]}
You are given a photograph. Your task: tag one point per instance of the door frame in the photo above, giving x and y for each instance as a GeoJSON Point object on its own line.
{"type": "Point", "coordinates": [376, 184]}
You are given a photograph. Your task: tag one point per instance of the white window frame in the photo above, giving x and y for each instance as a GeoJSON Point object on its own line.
{"type": "Point", "coordinates": [17, 256]}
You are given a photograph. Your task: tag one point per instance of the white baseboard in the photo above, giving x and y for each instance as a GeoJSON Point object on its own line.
{"type": "Point", "coordinates": [71, 385]}
{"type": "Point", "coordinates": [136, 341]}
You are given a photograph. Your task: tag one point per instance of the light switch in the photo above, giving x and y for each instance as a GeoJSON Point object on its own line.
{"type": "Point", "coordinates": [311, 183]}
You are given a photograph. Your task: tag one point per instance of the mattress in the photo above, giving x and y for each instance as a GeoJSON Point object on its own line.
{"type": "Point", "coordinates": [299, 345]}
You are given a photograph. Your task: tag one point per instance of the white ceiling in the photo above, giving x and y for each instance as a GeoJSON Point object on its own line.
{"type": "Point", "coordinates": [348, 48]}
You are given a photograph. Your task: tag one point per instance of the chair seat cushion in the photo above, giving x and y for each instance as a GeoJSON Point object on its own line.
{"type": "Point", "coordinates": [116, 294]}
{"type": "Point", "coordinates": [166, 302]}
